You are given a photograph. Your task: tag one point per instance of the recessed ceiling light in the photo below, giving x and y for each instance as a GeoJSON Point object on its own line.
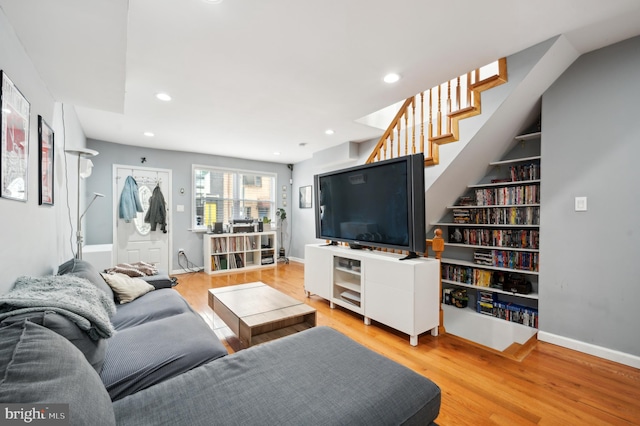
{"type": "Point", "coordinates": [276, 153]}
{"type": "Point", "coordinates": [149, 134]}
{"type": "Point", "coordinates": [163, 97]}
{"type": "Point", "coordinates": [329, 132]}
{"type": "Point", "coordinates": [391, 78]}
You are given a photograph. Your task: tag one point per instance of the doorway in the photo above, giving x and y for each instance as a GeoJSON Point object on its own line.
{"type": "Point", "coordinates": [134, 240]}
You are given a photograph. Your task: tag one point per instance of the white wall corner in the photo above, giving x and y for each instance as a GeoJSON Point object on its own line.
{"type": "Point", "coordinates": [332, 158]}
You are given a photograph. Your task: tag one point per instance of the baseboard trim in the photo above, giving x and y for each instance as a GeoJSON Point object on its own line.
{"type": "Point", "coordinates": [182, 271]}
{"type": "Point", "coordinates": [588, 348]}
{"type": "Point", "coordinates": [201, 268]}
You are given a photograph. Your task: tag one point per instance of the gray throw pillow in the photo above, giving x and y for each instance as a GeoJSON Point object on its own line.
{"type": "Point", "coordinates": [83, 269]}
{"type": "Point", "coordinates": [38, 366]}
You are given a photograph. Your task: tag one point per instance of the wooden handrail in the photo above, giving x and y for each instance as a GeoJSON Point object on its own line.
{"type": "Point", "coordinates": [389, 130]}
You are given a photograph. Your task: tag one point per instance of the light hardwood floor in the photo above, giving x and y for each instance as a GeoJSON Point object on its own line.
{"type": "Point", "coordinates": [550, 386]}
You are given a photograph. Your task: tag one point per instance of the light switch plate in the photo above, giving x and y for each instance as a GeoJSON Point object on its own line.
{"type": "Point", "coordinates": [581, 204]}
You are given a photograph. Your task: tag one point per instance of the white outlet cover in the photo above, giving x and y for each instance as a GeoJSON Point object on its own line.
{"type": "Point", "coordinates": [581, 204]}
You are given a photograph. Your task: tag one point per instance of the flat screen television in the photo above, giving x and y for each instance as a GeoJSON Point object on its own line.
{"type": "Point", "coordinates": [380, 204]}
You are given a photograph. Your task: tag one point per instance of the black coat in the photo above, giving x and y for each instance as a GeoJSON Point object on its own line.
{"type": "Point", "coordinates": [157, 213]}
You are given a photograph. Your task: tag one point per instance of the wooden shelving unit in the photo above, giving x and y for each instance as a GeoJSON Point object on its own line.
{"type": "Point", "coordinates": [239, 251]}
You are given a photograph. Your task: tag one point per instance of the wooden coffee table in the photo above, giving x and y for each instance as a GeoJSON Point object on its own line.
{"type": "Point", "coordinates": [257, 313]}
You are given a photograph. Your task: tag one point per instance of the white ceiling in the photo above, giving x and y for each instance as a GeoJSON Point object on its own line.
{"type": "Point", "coordinates": [253, 77]}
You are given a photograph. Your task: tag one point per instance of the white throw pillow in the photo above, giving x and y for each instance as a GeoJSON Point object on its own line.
{"type": "Point", "coordinates": [127, 288]}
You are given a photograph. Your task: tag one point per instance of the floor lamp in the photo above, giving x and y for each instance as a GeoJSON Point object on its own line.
{"type": "Point", "coordinates": [82, 153]}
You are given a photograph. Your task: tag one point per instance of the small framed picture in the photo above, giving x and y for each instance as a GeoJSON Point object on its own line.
{"type": "Point", "coordinates": [45, 162]}
{"type": "Point", "coordinates": [14, 149]}
{"type": "Point", "coordinates": [305, 197]}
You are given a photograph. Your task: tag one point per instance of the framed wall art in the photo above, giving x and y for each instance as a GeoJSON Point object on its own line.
{"type": "Point", "coordinates": [45, 162]}
{"type": "Point", "coordinates": [14, 149]}
{"type": "Point", "coordinates": [305, 197]}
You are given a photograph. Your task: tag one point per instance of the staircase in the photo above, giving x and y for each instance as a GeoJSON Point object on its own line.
{"type": "Point", "coordinates": [439, 109]}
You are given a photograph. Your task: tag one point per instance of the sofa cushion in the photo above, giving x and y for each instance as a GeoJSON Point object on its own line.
{"type": "Point", "coordinates": [84, 269]}
{"type": "Point", "coordinates": [93, 350]}
{"type": "Point", "coordinates": [147, 354]}
{"type": "Point", "coordinates": [152, 306]}
{"type": "Point", "coordinates": [317, 376]}
{"type": "Point", "coordinates": [38, 366]}
{"type": "Point", "coordinates": [127, 288]}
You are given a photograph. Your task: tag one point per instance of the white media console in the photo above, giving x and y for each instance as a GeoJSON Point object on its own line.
{"type": "Point", "coordinates": [402, 294]}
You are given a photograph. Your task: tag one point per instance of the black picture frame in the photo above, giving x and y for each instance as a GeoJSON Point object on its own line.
{"type": "Point", "coordinates": [46, 163]}
{"type": "Point", "coordinates": [305, 197]}
{"type": "Point", "coordinates": [14, 145]}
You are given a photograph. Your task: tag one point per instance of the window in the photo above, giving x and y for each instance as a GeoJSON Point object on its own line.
{"type": "Point", "coordinates": [221, 195]}
{"type": "Point", "coordinates": [252, 180]}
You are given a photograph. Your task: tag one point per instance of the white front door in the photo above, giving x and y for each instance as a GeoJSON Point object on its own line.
{"type": "Point", "coordinates": [134, 240]}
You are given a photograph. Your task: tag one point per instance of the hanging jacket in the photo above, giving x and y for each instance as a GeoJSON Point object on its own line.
{"type": "Point", "coordinates": [157, 213]}
{"type": "Point", "coordinates": [129, 200]}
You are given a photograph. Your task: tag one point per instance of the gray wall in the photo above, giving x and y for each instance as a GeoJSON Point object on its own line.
{"type": "Point", "coordinates": [99, 220]}
{"type": "Point", "coordinates": [590, 285]}
{"type": "Point", "coordinates": [35, 239]}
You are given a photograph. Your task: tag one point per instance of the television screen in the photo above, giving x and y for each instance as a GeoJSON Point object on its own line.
{"type": "Point", "coordinates": [379, 204]}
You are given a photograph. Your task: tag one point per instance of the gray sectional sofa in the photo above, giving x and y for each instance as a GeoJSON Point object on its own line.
{"type": "Point", "coordinates": [163, 365]}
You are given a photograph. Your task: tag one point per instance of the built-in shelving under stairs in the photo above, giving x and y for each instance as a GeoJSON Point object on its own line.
{"type": "Point", "coordinates": [490, 263]}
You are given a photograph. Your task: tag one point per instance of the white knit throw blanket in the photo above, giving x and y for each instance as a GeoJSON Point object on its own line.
{"type": "Point", "coordinates": [75, 298]}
